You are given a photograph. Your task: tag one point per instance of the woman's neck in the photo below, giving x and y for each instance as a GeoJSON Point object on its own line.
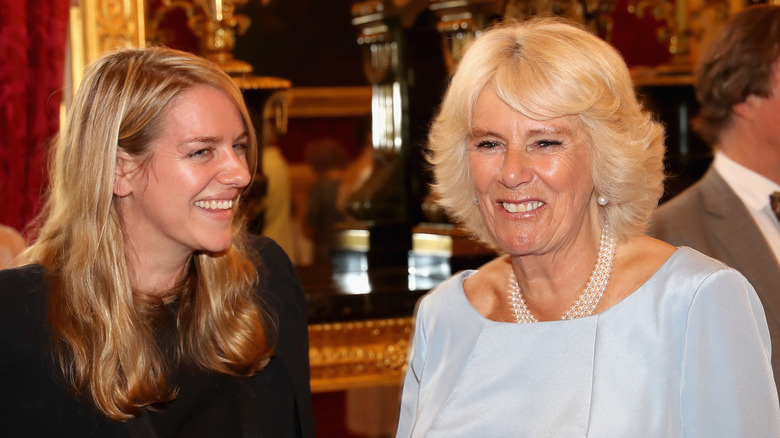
{"type": "Point", "coordinates": [155, 276]}
{"type": "Point", "coordinates": [551, 283]}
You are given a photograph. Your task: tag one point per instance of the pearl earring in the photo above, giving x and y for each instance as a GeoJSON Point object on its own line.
{"type": "Point", "coordinates": [476, 202]}
{"type": "Point", "coordinates": [602, 201]}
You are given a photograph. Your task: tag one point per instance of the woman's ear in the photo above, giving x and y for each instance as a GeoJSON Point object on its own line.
{"type": "Point", "coordinates": [124, 165]}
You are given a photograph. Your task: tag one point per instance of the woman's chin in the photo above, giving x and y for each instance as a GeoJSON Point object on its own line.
{"type": "Point", "coordinates": [217, 246]}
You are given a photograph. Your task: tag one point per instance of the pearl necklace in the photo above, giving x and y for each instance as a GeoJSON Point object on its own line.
{"type": "Point", "coordinates": [590, 297]}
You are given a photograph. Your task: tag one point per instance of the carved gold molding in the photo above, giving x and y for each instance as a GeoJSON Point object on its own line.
{"type": "Point", "coordinates": [306, 102]}
{"type": "Point", "coordinates": [98, 26]}
{"type": "Point", "coordinates": [357, 354]}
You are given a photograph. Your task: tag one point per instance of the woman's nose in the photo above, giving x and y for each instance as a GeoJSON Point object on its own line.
{"type": "Point", "coordinates": [515, 169]}
{"type": "Point", "coordinates": [235, 170]}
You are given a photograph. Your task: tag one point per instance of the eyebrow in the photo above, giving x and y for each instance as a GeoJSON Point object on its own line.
{"type": "Point", "coordinates": [203, 139]}
{"type": "Point", "coordinates": [544, 130]}
{"type": "Point", "coordinates": [208, 139]}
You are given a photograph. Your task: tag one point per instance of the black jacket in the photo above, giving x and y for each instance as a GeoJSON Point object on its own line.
{"type": "Point", "coordinates": [276, 402]}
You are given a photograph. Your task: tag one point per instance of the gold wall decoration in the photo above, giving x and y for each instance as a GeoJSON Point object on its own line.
{"type": "Point", "coordinates": [98, 26]}
{"type": "Point", "coordinates": [308, 102]}
{"type": "Point", "coordinates": [215, 23]}
{"type": "Point", "coordinates": [356, 354]}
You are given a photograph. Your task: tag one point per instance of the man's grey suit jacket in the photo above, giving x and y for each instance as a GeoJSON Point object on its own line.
{"type": "Point", "coordinates": [709, 217]}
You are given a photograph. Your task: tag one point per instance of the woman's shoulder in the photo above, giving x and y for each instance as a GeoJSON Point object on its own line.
{"type": "Point", "coordinates": [708, 278]}
{"type": "Point", "coordinates": [453, 284]}
{"type": "Point", "coordinates": [282, 296]}
{"type": "Point", "coordinates": [448, 296]}
{"type": "Point", "coordinates": [648, 260]}
{"type": "Point", "coordinates": [657, 270]}
{"type": "Point", "coordinates": [22, 286]}
{"type": "Point", "coordinates": [23, 303]}
{"type": "Point", "coordinates": [471, 285]}
{"type": "Point", "coordinates": [689, 263]}
{"type": "Point", "coordinates": [272, 261]}
{"type": "Point", "coordinates": [279, 284]}
{"type": "Point", "coordinates": [268, 251]}
{"type": "Point", "coordinates": [24, 273]}
{"type": "Point", "coordinates": [645, 259]}
{"type": "Point", "coordinates": [688, 276]}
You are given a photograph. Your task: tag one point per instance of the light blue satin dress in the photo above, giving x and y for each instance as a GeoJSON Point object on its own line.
{"type": "Point", "coordinates": [685, 355]}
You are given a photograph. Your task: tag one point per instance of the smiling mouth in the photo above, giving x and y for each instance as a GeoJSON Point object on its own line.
{"type": "Point", "coordinates": [524, 207]}
{"type": "Point", "coordinates": [215, 205]}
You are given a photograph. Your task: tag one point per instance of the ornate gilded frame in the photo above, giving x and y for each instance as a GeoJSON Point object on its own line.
{"type": "Point", "coordinates": [98, 26]}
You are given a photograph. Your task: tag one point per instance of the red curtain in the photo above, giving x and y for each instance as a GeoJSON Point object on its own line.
{"type": "Point", "coordinates": [33, 34]}
{"type": "Point", "coordinates": [637, 38]}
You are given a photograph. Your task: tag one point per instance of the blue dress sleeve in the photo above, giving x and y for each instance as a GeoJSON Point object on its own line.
{"type": "Point", "coordinates": [411, 388]}
{"type": "Point", "coordinates": [728, 389]}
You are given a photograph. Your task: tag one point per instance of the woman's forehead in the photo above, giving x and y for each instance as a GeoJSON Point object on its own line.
{"type": "Point", "coordinates": [491, 109]}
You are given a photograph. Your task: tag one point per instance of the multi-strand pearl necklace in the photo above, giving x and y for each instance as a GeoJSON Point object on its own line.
{"type": "Point", "coordinates": [590, 297]}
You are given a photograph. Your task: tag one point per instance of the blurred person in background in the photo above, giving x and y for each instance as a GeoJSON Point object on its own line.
{"type": "Point", "coordinates": [731, 213]}
{"type": "Point", "coordinates": [328, 158]}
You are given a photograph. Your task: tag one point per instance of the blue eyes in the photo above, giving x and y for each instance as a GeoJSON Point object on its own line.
{"type": "Point", "coordinates": [487, 144]}
{"type": "Point", "coordinates": [240, 149]}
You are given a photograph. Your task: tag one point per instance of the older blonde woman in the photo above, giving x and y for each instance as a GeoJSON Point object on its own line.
{"type": "Point", "coordinates": [584, 327]}
{"type": "Point", "coordinates": [145, 310]}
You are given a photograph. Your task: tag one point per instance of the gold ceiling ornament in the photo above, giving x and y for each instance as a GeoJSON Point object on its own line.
{"type": "Point", "coordinates": [684, 25]}
{"type": "Point", "coordinates": [461, 21]}
{"type": "Point", "coordinates": [215, 23]}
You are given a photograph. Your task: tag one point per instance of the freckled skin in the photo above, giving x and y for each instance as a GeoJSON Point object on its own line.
{"type": "Point", "coordinates": [199, 156]}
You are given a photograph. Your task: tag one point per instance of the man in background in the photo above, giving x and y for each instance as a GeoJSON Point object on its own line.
{"type": "Point", "coordinates": [328, 158]}
{"type": "Point", "coordinates": [277, 219]}
{"type": "Point", "coordinates": [728, 214]}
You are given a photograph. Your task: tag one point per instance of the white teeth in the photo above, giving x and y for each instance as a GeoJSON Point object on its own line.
{"type": "Point", "coordinates": [215, 205]}
{"type": "Point", "coordinates": [522, 208]}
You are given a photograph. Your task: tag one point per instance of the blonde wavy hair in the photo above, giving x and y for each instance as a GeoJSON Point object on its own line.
{"type": "Point", "coordinates": [546, 68]}
{"type": "Point", "coordinates": [103, 332]}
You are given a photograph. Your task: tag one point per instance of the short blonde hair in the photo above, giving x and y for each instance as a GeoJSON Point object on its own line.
{"type": "Point", "coordinates": [546, 68]}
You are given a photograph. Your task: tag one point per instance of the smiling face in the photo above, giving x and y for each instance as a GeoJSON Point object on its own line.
{"type": "Point", "coordinates": [183, 198]}
{"type": "Point", "coordinates": [532, 178]}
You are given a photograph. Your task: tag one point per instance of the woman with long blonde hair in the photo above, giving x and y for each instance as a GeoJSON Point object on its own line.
{"type": "Point", "coordinates": [144, 309]}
